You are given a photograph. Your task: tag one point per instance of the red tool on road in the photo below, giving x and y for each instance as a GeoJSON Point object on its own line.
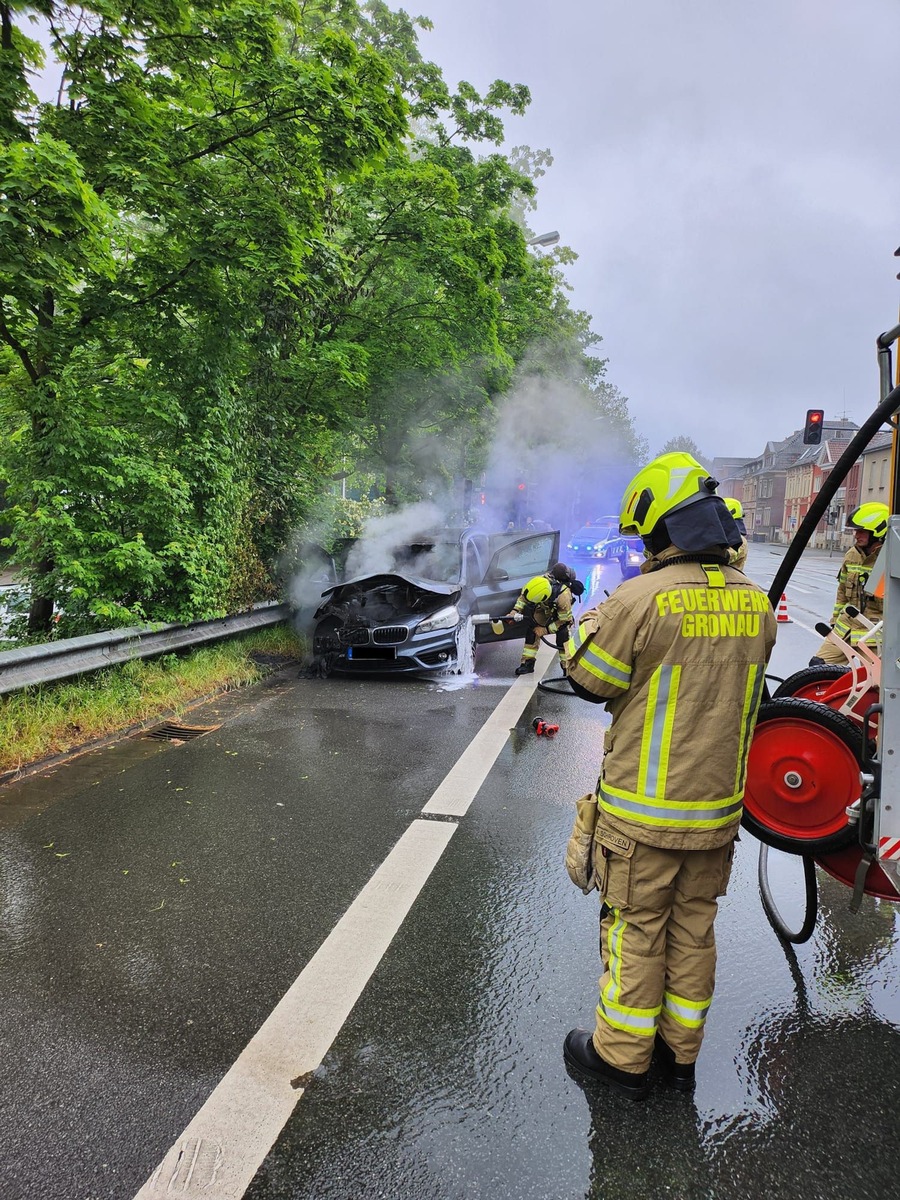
{"type": "Point", "coordinates": [544, 728]}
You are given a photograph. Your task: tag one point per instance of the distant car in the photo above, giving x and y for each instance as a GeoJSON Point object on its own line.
{"type": "Point", "coordinates": [595, 539]}
{"type": "Point", "coordinates": [628, 552]}
{"type": "Point", "coordinates": [409, 616]}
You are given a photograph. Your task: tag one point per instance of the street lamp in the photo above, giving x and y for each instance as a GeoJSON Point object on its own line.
{"type": "Point", "coordinates": [545, 239]}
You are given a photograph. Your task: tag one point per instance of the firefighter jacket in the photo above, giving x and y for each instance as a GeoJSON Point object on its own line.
{"type": "Point", "coordinates": [679, 655]}
{"type": "Point", "coordinates": [550, 613]}
{"type": "Point", "coordinates": [852, 579]}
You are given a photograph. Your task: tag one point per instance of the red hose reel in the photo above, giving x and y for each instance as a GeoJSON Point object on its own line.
{"type": "Point", "coordinates": [803, 787]}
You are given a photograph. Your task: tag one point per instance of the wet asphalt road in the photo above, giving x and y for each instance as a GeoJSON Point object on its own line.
{"type": "Point", "coordinates": [158, 900]}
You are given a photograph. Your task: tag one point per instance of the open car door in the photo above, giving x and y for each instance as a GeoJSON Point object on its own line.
{"type": "Point", "coordinates": [512, 565]}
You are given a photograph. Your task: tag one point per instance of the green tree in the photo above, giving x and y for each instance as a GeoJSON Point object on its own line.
{"type": "Point", "coordinates": [247, 239]}
{"type": "Point", "coordinates": [179, 183]}
{"type": "Point", "coordinates": [685, 445]}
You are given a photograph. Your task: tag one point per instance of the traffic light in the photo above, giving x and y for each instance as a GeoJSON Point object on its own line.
{"type": "Point", "coordinates": [812, 430]}
{"type": "Point", "coordinates": [520, 503]}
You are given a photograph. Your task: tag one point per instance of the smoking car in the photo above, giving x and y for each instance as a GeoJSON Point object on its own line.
{"type": "Point", "coordinates": [412, 615]}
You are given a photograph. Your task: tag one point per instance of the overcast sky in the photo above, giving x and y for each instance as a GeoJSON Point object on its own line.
{"type": "Point", "coordinates": [728, 175]}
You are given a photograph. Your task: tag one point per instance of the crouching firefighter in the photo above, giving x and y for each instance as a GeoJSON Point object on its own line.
{"type": "Point", "coordinates": [545, 604]}
{"type": "Point", "coordinates": [678, 654]}
{"type": "Point", "coordinates": [869, 524]}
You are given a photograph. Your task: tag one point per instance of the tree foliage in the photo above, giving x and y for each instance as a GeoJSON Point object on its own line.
{"type": "Point", "coordinates": [241, 234]}
{"type": "Point", "coordinates": [685, 445]}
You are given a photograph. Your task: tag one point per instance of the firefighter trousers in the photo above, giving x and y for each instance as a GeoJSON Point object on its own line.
{"type": "Point", "coordinates": [534, 634]}
{"type": "Point", "coordinates": [851, 631]}
{"type": "Point", "coordinates": [658, 948]}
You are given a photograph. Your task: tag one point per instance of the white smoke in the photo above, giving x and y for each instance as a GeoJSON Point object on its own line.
{"type": "Point", "coordinates": [549, 435]}
{"type": "Point", "coordinates": [385, 536]}
{"type": "Point", "coordinates": [308, 569]}
{"type": "Point", "coordinates": [552, 436]}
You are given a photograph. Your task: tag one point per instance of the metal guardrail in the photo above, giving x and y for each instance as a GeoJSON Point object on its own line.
{"type": "Point", "coordinates": [73, 656]}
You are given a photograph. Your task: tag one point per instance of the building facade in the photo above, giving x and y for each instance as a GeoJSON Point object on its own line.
{"type": "Point", "coordinates": [804, 480]}
{"type": "Point", "coordinates": [765, 481]}
{"type": "Point", "coordinates": [875, 462]}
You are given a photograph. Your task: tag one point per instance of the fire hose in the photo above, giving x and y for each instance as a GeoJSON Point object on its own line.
{"type": "Point", "coordinates": [498, 624]}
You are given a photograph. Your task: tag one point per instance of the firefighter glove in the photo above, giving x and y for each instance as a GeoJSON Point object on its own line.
{"type": "Point", "coordinates": [580, 848]}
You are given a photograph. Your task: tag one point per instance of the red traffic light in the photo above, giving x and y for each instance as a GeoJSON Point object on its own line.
{"type": "Point", "coordinates": [521, 487]}
{"type": "Point", "coordinates": [812, 430]}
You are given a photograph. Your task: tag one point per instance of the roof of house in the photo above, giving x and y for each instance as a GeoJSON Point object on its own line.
{"type": "Point", "coordinates": [825, 455]}
{"type": "Point", "coordinates": [880, 441]}
{"type": "Point", "coordinates": [789, 450]}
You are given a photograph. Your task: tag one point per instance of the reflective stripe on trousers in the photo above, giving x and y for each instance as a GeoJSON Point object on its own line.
{"type": "Point", "coordinates": [658, 949]}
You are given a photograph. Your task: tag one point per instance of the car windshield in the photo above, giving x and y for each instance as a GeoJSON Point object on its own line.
{"type": "Point", "coordinates": [440, 561]}
{"type": "Point", "coordinates": [424, 558]}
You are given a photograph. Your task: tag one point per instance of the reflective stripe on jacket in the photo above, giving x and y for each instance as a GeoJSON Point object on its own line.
{"type": "Point", "coordinates": [679, 655]}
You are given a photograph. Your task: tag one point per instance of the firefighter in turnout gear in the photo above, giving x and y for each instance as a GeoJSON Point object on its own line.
{"type": "Point", "coordinates": [738, 557]}
{"type": "Point", "coordinates": [869, 523]}
{"type": "Point", "coordinates": [678, 654]}
{"type": "Point", "coordinates": [545, 604]}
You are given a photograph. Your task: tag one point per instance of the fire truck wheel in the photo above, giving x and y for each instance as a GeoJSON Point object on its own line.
{"type": "Point", "coordinates": [803, 770]}
{"type": "Point", "coordinates": [812, 682]}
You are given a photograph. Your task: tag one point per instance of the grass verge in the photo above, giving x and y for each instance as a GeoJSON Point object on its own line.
{"type": "Point", "coordinates": [53, 718]}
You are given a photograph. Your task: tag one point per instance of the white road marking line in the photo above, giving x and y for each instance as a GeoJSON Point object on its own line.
{"type": "Point", "coordinates": [794, 621]}
{"type": "Point", "coordinates": [220, 1151]}
{"type": "Point", "coordinates": [460, 786]}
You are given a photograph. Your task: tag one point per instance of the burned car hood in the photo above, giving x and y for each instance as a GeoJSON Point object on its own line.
{"type": "Point", "coordinates": [363, 584]}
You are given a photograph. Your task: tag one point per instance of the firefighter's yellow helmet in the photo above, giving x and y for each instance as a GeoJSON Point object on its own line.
{"type": "Point", "coordinates": [670, 482]}
{"type": "Point", "coordinates": [538, 589]}
{"type": "Point", "coordinates": [734, 507]}
{"type": "Point", "coordinates": [873, 515]}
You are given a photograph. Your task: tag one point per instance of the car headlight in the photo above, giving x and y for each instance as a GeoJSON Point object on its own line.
{"type": "Point", "coordinates": [444, 618]}
{"type": "Point", "coordinates": [634, 558]}
{"type": "Point", "coordinates": [598, 546]}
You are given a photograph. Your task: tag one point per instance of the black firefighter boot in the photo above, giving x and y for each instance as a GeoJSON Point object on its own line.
{"type": "Point", "coordinates": [677, 1075]}
{"type": "Point", "coordinates": [526, 667]}
{"type": "Point", "coordinates": [582, 1058]}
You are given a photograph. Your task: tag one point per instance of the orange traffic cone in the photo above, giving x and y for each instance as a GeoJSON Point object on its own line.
{"type": "Point", "coordinates": [781, 612]}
